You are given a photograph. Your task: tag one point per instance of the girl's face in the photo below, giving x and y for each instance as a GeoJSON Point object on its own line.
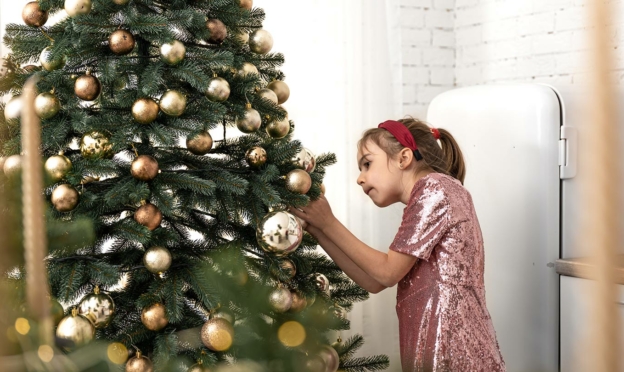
{"type": "Point", "coordinates": [380, 177]}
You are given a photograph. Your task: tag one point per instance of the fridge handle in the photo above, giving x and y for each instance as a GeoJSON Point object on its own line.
{"type": "Point", "coordinates": [568, 147]}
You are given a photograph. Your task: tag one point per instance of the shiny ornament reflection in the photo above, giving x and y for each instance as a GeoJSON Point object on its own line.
{"type": "Point", "coordinates": [260, 41]}
{"type": "Point", "coordinates": [279, 233]}
{"type": "Point", "coordinates": [57, 167]}
{"type": "Point", "coordinates": [256, 156]}
{"type": "Point", "coordinates": [298, 181]}
{"type": "Point", "coordinates": [173, 53]}
{"type": "Point", "coordinates": [157, 260]}
{"type": "Point", "coordinates": [75, 330]}
{"type": "Point", "coordinates": [47, 105]}
{"type": "Point", "coordinates": [98, 308]}
{"type": "Point", "coordinates": [305, 160]}
{"type": "Point", "coordinates": [218, 89]}
{"type": "Point", "coordinates": [173, 103]}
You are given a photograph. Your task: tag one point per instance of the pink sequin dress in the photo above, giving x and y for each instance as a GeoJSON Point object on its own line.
{"type": "Point", "coordinates": [444, 323]}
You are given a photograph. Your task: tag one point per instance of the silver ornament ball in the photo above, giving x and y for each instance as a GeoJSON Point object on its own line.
{"type": "Point", "coordinates": [305, 160]}
{"type": "Point", "coordinates": [322, 283]}
{"type": "Point", "coordinates": [330, 358]}
{"type": "Point", "coordinates": [280, 300]}
{"type": "Point", "coordinates": [279, 233]}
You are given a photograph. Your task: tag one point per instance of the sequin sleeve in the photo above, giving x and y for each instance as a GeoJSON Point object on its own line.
{"type": "Point", "coordinates": [425, 220]}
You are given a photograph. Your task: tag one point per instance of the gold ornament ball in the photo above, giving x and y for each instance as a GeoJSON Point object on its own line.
{"type": "Point", "coordinates": [247, 69]}
{"type": "Point", "coordinates": [279, 128]}
{"type": "Point", "coordinates": [299, 302]}
{"type": "Point", "coordinates": [260, 41]}
{"type": "Point", "coordinates": [173, 103]}
{"type": "Point", "coordinates": [250, 122]}
{"type": "Point", "coordinates": [173, 53]}
{"type": "Point", "coordinates": [57, 167]}
{"type": "Point", "coordinates": [139, 363]}
{"type": "Point", "coordinates": [246, 4]}
{"type": "Point", "coordinates": [47, 105]}
{"type": "Point", "coordinates": [87, 87]}
{"type": "Point", "coordinates": [218, 31]}
{"type": "Point", "coordinates": [154, 317]}
{"type": "Point", "coordinates": [330, 358]}
{"type": "Point", "coordinates": [281, 89]}
{"type": "Point", "coordinates": [48, 62]}
{"type": "Point", "coordinates": [145, 110]}
{"type": "Point", "coordinates": [12, 165]}
{"type": "Point", "coordinates": [298, 181]}
{"type": "Point", "coordinates": [243, 37]}
{"type": "Point", "coordinates": [64, 198]}
{"type": "Point", "coordinates": [280, 300]}
{"type": "Point", "coordinates": [218, 89]}
{"type": "Point", "coordinates": [305, 160]}
{"type": "Point", "coordinates": [144, 168]}
{"type": "Point", "coordinates": [157, 260]}
{"type": "Point", "coordinates": [77, 7]}
{"type": "Point", "coordinates": [217, 334]}
{"type": "Point", "coordinates": [223, 313]}
{"type": "Point", "coordinates": [287, 267]}
{"type": "Point", "coordinates": [121, 42]}
{"type": "Point", "coordinates": [268, 94]}
{"type": "Point", "coordinates": [200, 143]}
{"type": "Point", "coordinates": [75, 330]}
{"type": "Point", "coordinates": [149, 216]}
{"type": "Point", "coordinates": [256, 156]}
{"type": "Point", "coordinates": [13, 108]}
{"type": "Point", "coordinates": [33, 15]}
{"type": "Point", "coordinates": [279, 233]}
{"type": "Point", "coordinates": [98, 308]}
{"type": "Point", "coordinates": [121, 2]}
{"type": "Point", "coordinates": [95, 145]}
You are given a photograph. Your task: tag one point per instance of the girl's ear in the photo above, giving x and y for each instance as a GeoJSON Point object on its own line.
{"type": "Point", "coordinates": [406, 157]}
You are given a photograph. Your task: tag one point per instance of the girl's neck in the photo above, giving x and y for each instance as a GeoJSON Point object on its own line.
{"type": "Point", "coordinates": [405, 197]}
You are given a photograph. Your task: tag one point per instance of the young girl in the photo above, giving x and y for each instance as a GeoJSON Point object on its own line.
{"type": "Point", "coordinates": [436, 256]}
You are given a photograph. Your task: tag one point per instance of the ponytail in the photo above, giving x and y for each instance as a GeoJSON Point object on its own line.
{"type": "Point", "coordinates": [453, 155]}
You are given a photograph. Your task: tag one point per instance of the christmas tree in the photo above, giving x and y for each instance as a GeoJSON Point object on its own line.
{"type": "Point", "coordinates": [196, 261]}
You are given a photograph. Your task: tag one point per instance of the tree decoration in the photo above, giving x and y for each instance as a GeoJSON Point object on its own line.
{"type": "Point", "coordinates": [145, 110]}
{"type": "Point", "coordinates": [287, 267]}
{"type": "Point", "coordinates": [200, 143]}
{"type": "Point", "coordinates": [260, 41]}
{"type": "Point", "coordinates": [305, 160]}
{"type": "Point", "coordinates": [77, 7]}
{"type": "Point", "coordinates": [279, 232]}
{"type": "Point", "coordinates": [299, 302]}
{"type": "Point", "coordinates": [121, 2]}
{"type": "Point", "coordinates": [154, 317]}
{"type": "Point", "coordinates": [268, 94]}
{"type": "Point", "coordinates": [12, 166]}
{"type": "Point", "coordinates": [218, 89]}
{"type": "Point", "coordinates": [256, 156]}
{"type": "Point", "coordinates": [157, 260]}
{"type": "Point", "coordinates": [148, 215]}
{"type": "Point", "coordinates": [87, 87]}
{"type": "Point", "coordinates": [250, 122]}
{"type": "Point", "coordinates": [95, 145]}
{"type": "Point", "coordinates": [298, 181]}
{"type": "Point", "coordinates": [218, 31]}
{"type": "Point", "coordinates": [57, 166]}
{"type": "Point", "coordinates": [98, 307]}
{"type": "Point", "coordinates": [322, 283]}
{"type": "Point", "coordinates": [50, 63]}
{"type": "Point", "coordinates": [246, 4]}
{"type": "Point", "coordinates": [64, 198]}
{"type": "Point", "coordinates": [173, 103]}
{"type": "Point", "coordinates": [281, 89]}
{"type": "Point", "coordinates": [280, 300]}
{"type": "Point", "coordinates": [173, 53]}
{"type": "Point", "coordinates": [33, 15]}
{"type": "Point", "coordinates": [56, 311]}
{"type": "Point", "coordinates": [75, 330]}
{"type": "Point", "coordinates": [217, 334]}
{"type": "Point", "coordinates": [330, 357]}
{"type": "Point", "coordinates": [139, 363]}
{"type": "Point", "coordinates": [144, 168]}
{"type": "Point", "coordinates": [278, 128]}
{"type": "Point", "coordinates": [47, 105]}
{"type": "Point", "coordinates": [121, 42]}
{"type": "Point", "coordinates": [13, 108]}
{"type": "Point", "coordinates": [224, 313]}
{"type": "Point", "coordinates": [247, 69]}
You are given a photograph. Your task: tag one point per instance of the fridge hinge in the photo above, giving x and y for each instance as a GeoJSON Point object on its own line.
{"type": "Point", "coordinates": [568, 152]}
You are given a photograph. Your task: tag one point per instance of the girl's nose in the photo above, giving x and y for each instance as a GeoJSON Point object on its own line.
{"type": "Point", "coordinates": [360, 179]}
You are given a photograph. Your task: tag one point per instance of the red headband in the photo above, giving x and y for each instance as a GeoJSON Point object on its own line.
{"type": "Point", "coordinates": [400, 132]}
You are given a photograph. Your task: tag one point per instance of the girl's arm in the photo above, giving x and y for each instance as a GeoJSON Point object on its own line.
{"type": "Point", "coordinates": [345, 263]}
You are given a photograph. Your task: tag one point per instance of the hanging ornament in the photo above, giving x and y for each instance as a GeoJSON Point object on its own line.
{"type": "Point", "coordinates": [139, 363]}
{"type": "Point", "coordinates": [33, 15]}
{"type": "Point", "coordinates": [339, 312]}
{"type": "Point", "coordinates": [246, 4]}
{"type": "Point", "coordinates": [256, 156]}
{"type": "Point", "coordinates": [75, 330]}
{"type": "Point", "coordinates": [121, 42]}
{"type": "Point", "coordinates": [268, 94]}
{"type": "Point", "coordinates": [87, 87]}
{"type": "Point", "coordinates": [145, 110]}
{"type": "Point", "coordinates": [95, 145]}
{"type": "Point", "coordinates": [64, 198]}
{"type": "Point", "coordinates": [200, 143]}
{"type": "Point", "coordinates": [298, 181]}
{"type": "Point", "coordinates": [12, 165]}
{"type": "Point", "coordinates": [31, 68]}
{"type": "Point", "coordinates": [260, 41]}
{"type": "Point", "coordinates": [149, 216]}
{"type": "Point", "coordinates": [280, 300]}
{"type": "Point", "coordinates": [77, 7]}
{"type": "Point", "coordinates": [314, 363]}
{"type": "Point", "coordinates": [298, 302]}
{"type": "Point", "coordinates": [322, 283]}
{"type": "Point", "coordinates": [144, 168]}
{"type": "Point", "coordinates": [47, 105]}
{"type": "Point", "coordinates": [217, 334]}
{"type": "Point", "coordinates": [224, 313]}
{"type": "Point", "coordinates": [199, 367]}
{"type": "Point", "coordinates": [281, 89]}
{"type": "Point", "coordinates": [218, 89]}
{"type": "Point", "coordinates": [173, 53]}
{"type": "Point", "coordinates": [154, 317]}
{"type": "Point", "coordinates": [279, 232]}
{"type": "Point", "coordinates": [250, 122]}
{"type": "Point", "coordinates": [157, 260]}
{"type": "Point", "coordinates": [330, 358]}
{"type": "Point", "coordinates": [218, 31]}
{"type": "Point", "coordinates": [173, 103]}
{"type": "Point", "coordinates": [57, 166]}
{"type": "Point", "coordinates": [49, 63]}
{"type": "Point", "coordinates": [121, 2]}
{"type": "Point", "coordinates": [305, 160]}
{"type": "Point", "coordinates": [56, 311]}
{"type": "Point", "coordinates": [247, 69]}
{"type": "Point", "coordinates": [13, 108]}
{"type": "Point", "coordinates": [287, 267]}
{"type": "Point", "coordinates": [338, 344]}
{"type": "Point", "coordinates": [278, 128]}
{"type": "Point", "coordinates": [98, 308]}
{"type": "Point", "coordinates": [243, 36]}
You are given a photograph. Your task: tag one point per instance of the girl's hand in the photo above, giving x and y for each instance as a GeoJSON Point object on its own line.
{"type": "Point", "coordinates": [318, 213]}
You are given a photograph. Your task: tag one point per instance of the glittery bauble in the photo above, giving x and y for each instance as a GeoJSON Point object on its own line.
{"type": "Point", "coordinates": [278, 128]}
{"type": "Point", "coordinates": [305, 160]}
{"type": "Point", "coordinates": [200, 143]}
{"type": "Point", "coordinates": [145, 110]}
{"type": "Point", "coordinates": [33, 15]}
{"type": "Point", "coordinates": [13, 108]}
{"type": "Point", "coordinates": [47, 105]}
{"type": "Point", "coordinates": [98, 308]}
{"type": "Point", "coordinates": [280, 300]}
{"type": "Point", "coordinates": [268, 94]}
{"type": "Point", "coordinates": [247, 69]}
{"type": "Point", "coordinates": [57, 167]}
{"type": "Point", "coordinates": [121, 2]}
{"type": "Point", "coordinates": [64, 198]}
{"type": "Point", "coordinates": [139, 363]}
{"type": "Point", "coordinates": [218, 31]}
{"type": "Point", "coordinates": [173, 103]}
{"type": "Point", "coordinates": [322, 283]}
{"type": "Point", "coordinates": [144, 168]}
{"type": "Point", "coordinates": [299, 302]}
{"type": "Point", "coordinates": [298, 181]}
{"type": "Point", "coordinates": [218, 89]}
{"type": "Point", "coordinates": [154, 317]}
{"type": "Point", "coordinates": [12, 165]}
{"type": "Point", "coordinates": [223, 313]}
{"type": "Point", "coordinates": [77, 7]}
{"type": "Point", "coordinates": [217, 334]}
{"type": "Point", "coordinates": [256, 156]}
{"type": "Point", "coordinates": [95, 145]}
{"type": "Point", "coordinates": [287, 267]}
{"type": "Point", "coordinates": [49, 63]}
{"type": "Point", "coordinates": [87, 87]}
{"type": "Point", "coordinates": [75, 330]}
{"type": "Point", "coordinates": [121, 42]}
{"type": "Point", "coordinates": [281, 89]}
{"type": "Point", "coordinates": [260, 41]}
{"type": "Point", "coordinates": [149, 216]}
{"type": "Point", "coordinates": [157, 260]}
{"type": "Point", "coordinates": [250, 122]}
{"type": "Point", "coordinates": [246, 4]}
{"type": "Point", "coordinates": [173, 53]}
{"type": "Point", "coordinates": [330, 358]}
{"type": "Point", "coordinates": [279, 232]}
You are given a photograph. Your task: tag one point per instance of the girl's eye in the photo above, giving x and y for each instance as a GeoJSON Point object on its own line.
{"type": "Point", "coordinates": [367, 164]}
